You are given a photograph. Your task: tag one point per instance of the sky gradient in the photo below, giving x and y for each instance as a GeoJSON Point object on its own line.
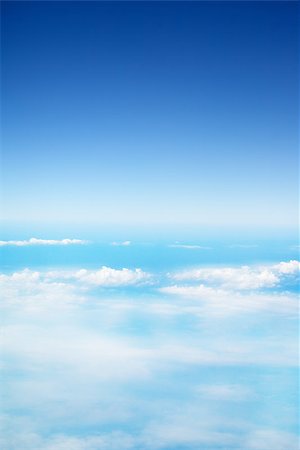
{"type": "Point", "coordinates": [149, 251]}
{"type": "Point", "coordinates": [150, 112]}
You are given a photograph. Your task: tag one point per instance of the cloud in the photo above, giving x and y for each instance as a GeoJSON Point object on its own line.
{"type": "Point", "coordinates": [106, 276]}
{"type": "Point", "coordinates": [200, 291]}
{"type": "Point", "coordinates": [221, 303]}
{"type": "Point", "coordinates": [225, 392]}
{"type": "Point", "coordinates": [121, 244]}
{"type": "Point", "coordinates": [266, 439]}
{"type": "Point", "coordinates": [28, 439]}
{"type": "Point", "coordinates": [33, 291]}
{"type": "Point", "coordinates": [243, 246]}
{"type": "Point", "coordinates": [166, 434]}
{"type": "Point", "coordinates": [239, 278]}
{"type": "Point", "coordinates": [189, 247]}
{"type": "Point", "coordinates": [75, 350]}
{"type": "Point", "coordinates": [287, 268]}
{"type": "Point", "coordinates": [190, 428]}
{"type": "Point", "coordinates": [29, 285]}
{"type": "Point", "coordinates": [35, 241]}
{"type": "Point", "coordinates": [58, 365]}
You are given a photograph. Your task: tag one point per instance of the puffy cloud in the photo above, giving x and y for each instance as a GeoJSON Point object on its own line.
{"type": "Point", "coordinates": [288, 268]}
{"type": "Point", "coordinates": [27, 284]}
{"type": "Point", "coordinates": [30, 289]}
{"type": "Point", "coordinates": [106, 276]}
{"type": "Point", "coordinates": [35, 241]}
{"type": "Point", "coordinates": [236, 278]}
{"type": "Point", "coordinates": [244, 277]}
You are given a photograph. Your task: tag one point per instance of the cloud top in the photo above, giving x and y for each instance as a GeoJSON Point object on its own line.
{"type": "Point", "coordinates": [107, 276]}
{"type": "Point", "coordinates": [244, 277]}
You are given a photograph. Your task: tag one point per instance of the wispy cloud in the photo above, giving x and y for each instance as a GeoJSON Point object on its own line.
{"type": "Point", "coordinates": [243, 246]}
{"type": "Point", "coordinates": [225, 303]}
{"type": "Point", "coordinates": [225, 392]}
{"type": "Point", "coordinates": [121, 244]}
{"type": "Point", "coordinates": [36, 241]}
{"type": "Point", "coordinates": [189, 247]}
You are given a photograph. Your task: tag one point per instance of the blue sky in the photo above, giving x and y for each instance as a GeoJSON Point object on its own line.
{"type": "Point", "coordinates": [158, 113]}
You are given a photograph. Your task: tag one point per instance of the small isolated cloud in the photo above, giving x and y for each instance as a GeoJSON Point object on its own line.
{"type": "Point", "coordinates": [189, 247]}
{"type": "Point", "coordinates": [35, 241]}
{"type": "Point", "coordinates": [121, 244]}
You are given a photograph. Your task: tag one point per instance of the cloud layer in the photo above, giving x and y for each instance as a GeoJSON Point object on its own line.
{"type": "Point", "coordinates": [160, 367]}
{"type": "Point", "coordinates": [35, 241]}
{"type": "Point", "coordinates": [244, 277]}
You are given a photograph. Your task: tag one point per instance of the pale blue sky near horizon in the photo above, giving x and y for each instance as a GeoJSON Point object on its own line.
{"type": "Point", "coordinates": [150, 113]}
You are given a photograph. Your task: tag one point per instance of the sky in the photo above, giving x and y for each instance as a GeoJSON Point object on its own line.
{"type": "Point", "coordinates": [149, 253]}
{"type": "Point", "coordinates": [150, 113]}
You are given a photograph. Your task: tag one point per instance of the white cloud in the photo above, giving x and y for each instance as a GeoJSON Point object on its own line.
{"type": "Point", "coordinates": [288, 268]}
{"type": "Point", "coordinates": [75, 350]}
{"type": "Point", "coordinates": [31, 290]}
{"type": "Point", "coordinates": [234, 278]}
{"type": "Point", "coordinates": [77, 360]}
{"type": "Point", "coordinates": [189, 247]}
{"type": "Point", "coordinates": [121, 244]}
{"type": "Point", "coordinates": [35, 291]}
{"type": "Point", "coordinates": [35, 241]}
{"type": "Point", "coordinates": [244, 277]}
{"type": "Point", "coordinates": [106, 276]}
{"type": "Point", "coordinates": [221, 302]}
{"type": "Point", "coordinates": [200, 291]}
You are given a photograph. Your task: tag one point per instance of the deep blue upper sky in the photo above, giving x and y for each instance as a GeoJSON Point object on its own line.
{"type": "Point", "coordinates": [157, 112]}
